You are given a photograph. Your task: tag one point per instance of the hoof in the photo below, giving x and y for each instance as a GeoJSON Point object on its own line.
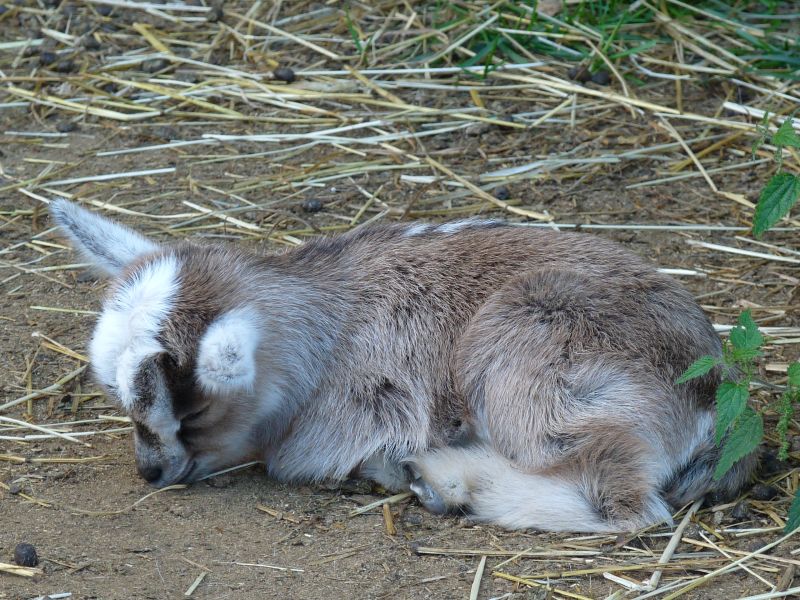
{"type": "Point", "coordinates": [429, 497]}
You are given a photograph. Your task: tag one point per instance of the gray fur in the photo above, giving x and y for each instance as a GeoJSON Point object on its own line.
{"type": "Point", "coordinates": [523, 375]}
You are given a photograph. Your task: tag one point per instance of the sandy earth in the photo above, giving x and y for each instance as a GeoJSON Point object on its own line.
{"type": "Point", "coordinates": [93, 543]}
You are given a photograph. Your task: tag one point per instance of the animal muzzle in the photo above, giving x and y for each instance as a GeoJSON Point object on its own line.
{"type": "Point", "coordinates": [162, 466]}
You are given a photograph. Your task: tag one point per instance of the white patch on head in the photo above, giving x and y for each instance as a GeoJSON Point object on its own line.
{"type": "Point", "coordinates": [226, 359]}
{"type": "Point", "coordinates": [416, 229]}
{"type": "Point", "coordinates": [126, 333]}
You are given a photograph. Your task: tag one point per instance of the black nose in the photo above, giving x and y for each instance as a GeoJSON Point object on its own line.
{"type": "Point", "coordinates": [151, 473]}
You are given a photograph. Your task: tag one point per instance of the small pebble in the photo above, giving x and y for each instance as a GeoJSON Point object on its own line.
{"type": "Point", "coordinates": [763, 492]}
{"type": "Point", "coordinates": [755, 544]}
{"type": "Point", "coordinates": [412, 519]}
{"type": "Point", "coordinates": [66, 126]}
{"type": "Point", "coordinates": [14, 488]}
{"type": "Point", "coordinates": [579, 73]}
{"type": "Point", "coordinates": [601, 77]}
{"type": "Point", "coordinates": [25, 555]}
{"type": "Point", "coordinates": [155, 65]}
{"type": "Point", "coordinates": [220, 481]}
{"type": "Point", "coordinates": [284, 74]}
{"type": "Point", "coordinates": [718, 517]}
{"type": "Point", "coordinates": [165, 133]}
{"type": "Point", "coordinates": [47, 57]}
{"type": "Point", "coordinates": [215, 14]}
{"type": "Point", "coordinates": [181, 511]}
{"type": "Point", "coordinates": [741, 511]}
{"type": "Point", "coordinates": [540, 593]}
{"type": "Point", "coordinates": [104, 10]}
{"type": "Point", "coordinates": [479, 128]}
{"type": "Point", "coordinates": [692, 530]}
{"type": "Point", "coordinates": [311, 206]}
{"type": "Point", "coordinates": [502, 193]}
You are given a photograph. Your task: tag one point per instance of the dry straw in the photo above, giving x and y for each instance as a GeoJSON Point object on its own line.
{"type": "Point", "coordinates": [182, 125]}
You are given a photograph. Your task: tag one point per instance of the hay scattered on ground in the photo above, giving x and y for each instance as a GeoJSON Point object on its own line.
{"type": "Point", "coordinates": [270, 123]}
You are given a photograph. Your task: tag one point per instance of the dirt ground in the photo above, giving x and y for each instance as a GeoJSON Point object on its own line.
{"type": "Point", "coordinates": [249, 537]}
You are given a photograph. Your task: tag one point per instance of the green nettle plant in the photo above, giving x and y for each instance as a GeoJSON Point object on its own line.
{"type": "Point", "coordinates": [740, 427]}
{"type": "Point", "coordinates": [783, 189]}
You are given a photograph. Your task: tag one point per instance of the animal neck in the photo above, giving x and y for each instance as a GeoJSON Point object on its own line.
{"type": "Point", "coordinates": [300, 322]}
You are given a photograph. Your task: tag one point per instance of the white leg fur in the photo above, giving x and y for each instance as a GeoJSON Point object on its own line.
{"type": "Point", "coordinates": [495, 491]}
{"type": "Point", "coordinates": [388, 473]}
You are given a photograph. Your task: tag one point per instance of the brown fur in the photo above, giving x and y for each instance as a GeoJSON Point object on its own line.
{"type": "Point", "coordinates": [502, 365]}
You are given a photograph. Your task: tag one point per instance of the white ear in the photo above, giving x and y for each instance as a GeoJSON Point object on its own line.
{"type": "Point", "coordinates": [226, 360]}
{"type": "Point", "coordinates": [109, 246]}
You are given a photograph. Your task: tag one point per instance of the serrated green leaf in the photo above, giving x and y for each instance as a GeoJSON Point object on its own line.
{"type": "Point", "coordinates": [698, 368]}
{"type": "Point", "coordinates": [745, 437]}
{"type": "Point", "coordinates": [776, 200]}
{"type": "Point", "coordinates": [731, 402]}
{"type": "Point", "coordinates": [793, 519]}
{"type": "Point", "coordinates": [745, 335]}
{"type": "Point", "coordinates": [786, 135]}
{"type": "Point", "coordinates": [742, 355]}
{"type": "Point", "coordinates": [794, 375]}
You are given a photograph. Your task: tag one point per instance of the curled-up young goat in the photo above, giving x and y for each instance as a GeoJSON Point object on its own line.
{"type": "Point", "coordinates": [525, 377]}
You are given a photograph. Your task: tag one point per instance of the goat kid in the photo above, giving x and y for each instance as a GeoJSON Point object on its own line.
{"type": "Point", "coordinates": [524, 376]}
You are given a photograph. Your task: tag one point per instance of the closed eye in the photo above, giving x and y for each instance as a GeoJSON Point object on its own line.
{"type": "Point", "coordinates": [194, 416]}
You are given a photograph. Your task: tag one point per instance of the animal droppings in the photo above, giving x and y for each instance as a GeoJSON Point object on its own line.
{"type": "Point", "coordinates": [311, 206]}
{"type": "Point", "coordinates": [502, 193]}
{"type": "Point", "coordinates": [763, 492]}
{"type": "Point", "coordinates": [47, 57]}
{"type": "Point", "coordinates": [25, 555]}
{"type": "Point", "coordinates": [284, 74]}
{"type": "Point", "coordinates": [601, 78]}
{"type": "Point", "coordinates": [579, 73]}
{"type": "Point", "coordinates": [215, 14]}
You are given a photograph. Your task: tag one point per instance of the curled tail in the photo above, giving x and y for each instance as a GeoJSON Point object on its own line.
{"type": "Point", "coordinates": [612, 483]}
{"type": "Point", "coordinates": [566, 497]}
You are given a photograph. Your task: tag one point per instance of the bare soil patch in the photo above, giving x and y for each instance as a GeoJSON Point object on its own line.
{"type": "Point", "coordinates": [596, 161]}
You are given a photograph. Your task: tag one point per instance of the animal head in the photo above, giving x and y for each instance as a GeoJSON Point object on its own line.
{"type": "Point", "coordinates": [176, 345]}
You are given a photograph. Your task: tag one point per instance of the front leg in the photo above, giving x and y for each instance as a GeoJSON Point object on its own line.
{"type": "Point", "coordinates": [391, 474]}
